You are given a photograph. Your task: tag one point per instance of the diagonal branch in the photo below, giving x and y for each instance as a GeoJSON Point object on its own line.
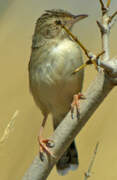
{"type": "Point", "coordinates": [86, 51]}
{"type": "Point", "coordinates": [69, 128]}
{"type": "Point", "coordinates": [92, 58]}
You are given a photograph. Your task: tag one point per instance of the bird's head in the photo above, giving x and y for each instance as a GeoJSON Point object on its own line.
{"type": "Point", "coordinates": [47, 26]}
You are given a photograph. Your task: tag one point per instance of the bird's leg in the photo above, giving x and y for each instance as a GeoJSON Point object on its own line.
{"type": "Point", "coordinates": [75, 103]}
{"type": "Point", "coordinates": [44, 144]}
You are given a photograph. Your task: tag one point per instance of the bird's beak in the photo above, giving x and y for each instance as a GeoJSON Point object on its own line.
{"type": "Point", "coordinates": [79, 17]}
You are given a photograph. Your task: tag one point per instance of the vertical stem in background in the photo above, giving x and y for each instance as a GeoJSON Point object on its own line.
{"type": "Point", "coordinates": [88, 173]}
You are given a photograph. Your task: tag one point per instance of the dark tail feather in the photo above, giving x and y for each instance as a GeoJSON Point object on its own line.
{"type": "Point", "coordinates": [68, 161]}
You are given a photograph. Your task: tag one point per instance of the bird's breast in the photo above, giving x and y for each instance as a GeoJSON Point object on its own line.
{"type": "Point", "coordinates": [55, 65]}
{"type": "Point", "coordinates": [60, 61]}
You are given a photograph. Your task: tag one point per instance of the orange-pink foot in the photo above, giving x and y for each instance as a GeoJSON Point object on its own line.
{"type": "Point", "coordinates": [45, 144]}
{"type": "Point", "coordinates": [75, 103]}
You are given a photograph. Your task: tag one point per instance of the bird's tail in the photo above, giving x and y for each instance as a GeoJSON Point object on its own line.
{"type": "Point", "coordinates": [68, 161]}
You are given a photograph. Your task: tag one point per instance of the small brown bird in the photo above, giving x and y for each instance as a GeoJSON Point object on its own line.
{"type": "Point", "coordinates": [53, 60]}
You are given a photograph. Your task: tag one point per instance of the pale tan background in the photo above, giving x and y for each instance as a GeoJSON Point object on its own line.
{"type": "Point", "coordinates": [17, 21]}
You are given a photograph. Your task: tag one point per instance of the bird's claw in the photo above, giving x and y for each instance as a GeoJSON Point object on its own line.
{"type": "Point", "coordinates": [45, 144]}
{"type": "Point", "coordinates": [75, 103]}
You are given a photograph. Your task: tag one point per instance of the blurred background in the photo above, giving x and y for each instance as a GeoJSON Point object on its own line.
{"type": "Point", "coordinates": [17, 22]}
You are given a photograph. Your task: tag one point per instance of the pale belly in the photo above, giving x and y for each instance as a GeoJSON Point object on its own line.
{"type": "Point", "coordinates": [53, 84]}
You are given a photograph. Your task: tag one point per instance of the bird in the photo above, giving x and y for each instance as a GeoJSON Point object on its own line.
{"type": "Point", "coordinates": [53, 85]}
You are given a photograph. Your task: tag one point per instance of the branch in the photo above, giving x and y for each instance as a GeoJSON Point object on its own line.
{"type": "Point", "coordinates": [112, 16]}
{"type": "Point", "coordinates": [86, 51]}
{"type": "Point", "coordinates": [105, 25]}
{"type": "Point", "coordinates": [112, 19]}
{"type": "Point", "coordinates": [69, 128]}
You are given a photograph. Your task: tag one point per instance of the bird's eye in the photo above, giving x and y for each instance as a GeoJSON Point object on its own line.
{"type": "Point", "coordinates": [58, 22]}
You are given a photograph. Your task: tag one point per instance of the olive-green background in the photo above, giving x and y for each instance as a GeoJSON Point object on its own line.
{"type": "Point", "coordinates": [17, 21]}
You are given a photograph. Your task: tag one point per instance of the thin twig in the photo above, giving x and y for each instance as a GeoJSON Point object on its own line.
{"type": "Point", "coordinates": [102, 4]}
{"type": "Point", "coordinates": [111, 17]}
{"type": "Point", "coordinates": [92, 60]}
{"type": "Point", "coordinates": [86, 51]}
{"type": "Point", "coordinates": [101, 27]}
{"type": "Point", "coordinates": [100, 54]}
{"type": "Point", "coordinates": [9, 127]}
{"type": "Point", "coordinates": [108, 3]}
{"type": "Point", "coordinates": [103, 8]}
{"type": "Point", "coordinates": [88, 173]}
{"type": "Point", "coordinates": [92, 57]}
